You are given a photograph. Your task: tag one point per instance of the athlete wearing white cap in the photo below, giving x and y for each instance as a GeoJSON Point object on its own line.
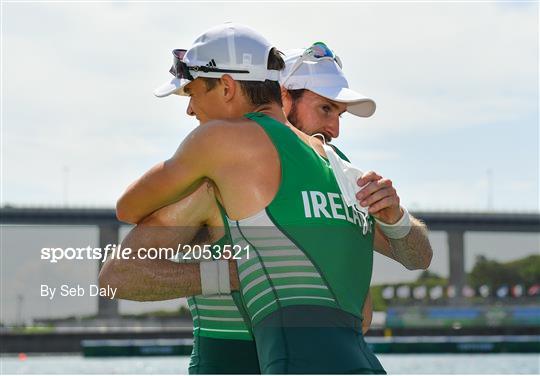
{"type": "Point", "coordinates": [319, 70]}
{"type": "Point", "coordinates": [230, 49]}
{"type": "Point", "coordinates": [314, 84]}
{"type": "Point", "coordinates": [205, 113]}
{"type": "Point", "coordinates": [223, 343]}
{"type": "Point", "coordinates": [315, 93]}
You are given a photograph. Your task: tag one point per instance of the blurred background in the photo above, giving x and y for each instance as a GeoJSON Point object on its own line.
{"type": "Point", "coordinates": [456, 129]}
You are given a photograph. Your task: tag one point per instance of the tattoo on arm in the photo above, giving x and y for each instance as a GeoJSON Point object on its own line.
{"type": "Point", "coordinates": [414, 250]}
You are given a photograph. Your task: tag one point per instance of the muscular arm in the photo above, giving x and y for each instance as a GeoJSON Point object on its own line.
{"type": "Point", "coordinates": [413, 251]}
{"type": "Point", "coordinates": [161, 280]}
{"type": "Point", "coordinates": [378, 194]}
{"type": "Point", "coordinates": [144, 279]}
{"type": "Point", "coordinates": [169, 181]}
{"type": "Point", "coordinates": [138, 280]}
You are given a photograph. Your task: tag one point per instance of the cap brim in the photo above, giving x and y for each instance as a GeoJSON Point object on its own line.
{"type": "Point", "coordinates": [173, 86]}
{"type": "Point", "coordinates": [357, 104]}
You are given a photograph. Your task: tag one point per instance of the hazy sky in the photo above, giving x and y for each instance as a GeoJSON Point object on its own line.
{"type": "Point", "coordinates": [456, 86]}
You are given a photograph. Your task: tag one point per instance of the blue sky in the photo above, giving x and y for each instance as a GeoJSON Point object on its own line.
{"type": "Point", "coordinates": [456, 86]}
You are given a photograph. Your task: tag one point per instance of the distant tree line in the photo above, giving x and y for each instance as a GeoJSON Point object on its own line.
{"type": "Point", "coordinates": [524, 272]}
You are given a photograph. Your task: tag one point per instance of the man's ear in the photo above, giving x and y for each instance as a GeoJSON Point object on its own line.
{"type": "Point", "coordinates": [286, 100]}
{"type": "Point", "coordinates": [228, 87]}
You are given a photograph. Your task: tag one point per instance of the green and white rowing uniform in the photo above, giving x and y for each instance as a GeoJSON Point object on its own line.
{"type": "Point", "coordinates": [310, 261]}
{"type": "Point", "coordinates": [222, 342]}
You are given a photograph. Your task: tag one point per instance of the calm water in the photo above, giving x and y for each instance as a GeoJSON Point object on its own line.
{"type": "Point", "coordinates": [394, 364]}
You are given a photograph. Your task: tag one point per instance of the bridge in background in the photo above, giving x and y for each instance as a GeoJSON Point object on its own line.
{"type": "Point", "coordinates": [454, 224]}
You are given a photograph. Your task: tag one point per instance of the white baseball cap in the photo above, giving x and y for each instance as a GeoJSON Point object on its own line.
{"type": "Point", "coordinates": [229, 48]}
{"type": "Point", "coordinates": [321, 73]}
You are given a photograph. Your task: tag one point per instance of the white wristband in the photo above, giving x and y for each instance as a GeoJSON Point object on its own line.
{"type": "Point", "coordinates": [215, 277]}
{"type": "Point", "coordinates": [224, 277]}
{"type": "Point", "coordinates": [398, 230]}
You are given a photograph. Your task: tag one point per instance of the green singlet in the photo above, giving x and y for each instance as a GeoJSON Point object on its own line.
{"type": "Point", "coordinates": [305, 279]}
{"type": "Point", "coordinates": [222, 342]}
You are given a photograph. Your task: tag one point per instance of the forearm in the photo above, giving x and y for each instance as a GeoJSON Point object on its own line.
{"type": "Point", "coordinates": [367, 313]}
{"type": "Point", "coordinates": [146, 195]}
{"type": "Point", "coordinates": [191, 221]}
{"type": "Point", "coordinates": [150, 280]}
{"type": "Point", "coordinates": [414, 250]}
{"type": "Point", "coordinates": [137, 279]}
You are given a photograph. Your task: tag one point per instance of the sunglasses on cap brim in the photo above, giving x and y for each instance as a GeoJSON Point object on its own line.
{"type": "Point", "coordinates": [318, 51]}
{"type": "Point", "coordinates": [181, 70]}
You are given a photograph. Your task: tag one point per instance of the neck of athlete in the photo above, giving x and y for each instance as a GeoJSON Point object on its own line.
{"type": "Point", "coordinates": [276, 112]}
{"type": "Point", "coordinates": [273, 110]}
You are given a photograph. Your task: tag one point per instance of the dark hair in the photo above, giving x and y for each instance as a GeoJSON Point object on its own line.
{"type": "Point", "coordinates": [258, 92]}
{"type": "Point", "coordinates": [296, 94]}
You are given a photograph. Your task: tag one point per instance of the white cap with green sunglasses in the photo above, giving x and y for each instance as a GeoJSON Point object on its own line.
{"type": "Point", "coordinates": [319, 70]}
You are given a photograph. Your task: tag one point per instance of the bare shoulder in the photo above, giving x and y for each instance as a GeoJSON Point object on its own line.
{"type": "Point", "coordinates": [235, 129]}
{"type": "Point", "coordinates": [233, 137]}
